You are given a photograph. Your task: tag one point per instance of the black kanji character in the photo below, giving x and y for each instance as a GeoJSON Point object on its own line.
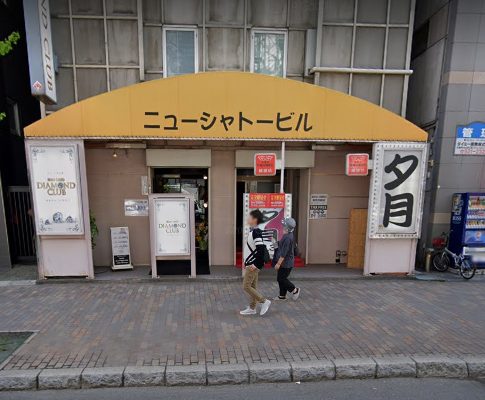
{"type": "Point", "coordinates": [303, 118]}
{"type": "Point", "coordinates": [205, 118]}
{"type": "Point", "coordinates": [280, 119]}
{"type": "Point", "coordinates": [400, 175]}
{"type": "Point", "coordinates": [226, 121]}
{"type": "Point", "coordinates": [400, 205]}
{"type": "Point", "coordinates": [243, 119]}
{"type": "Point", "coordinates": [174, 126]}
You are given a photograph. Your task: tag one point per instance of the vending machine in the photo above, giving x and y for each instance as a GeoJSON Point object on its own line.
{"type": "Point", "coordinates": [467, 227]}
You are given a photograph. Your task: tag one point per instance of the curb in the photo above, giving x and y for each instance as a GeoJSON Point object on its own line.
{"type": "Point", "coordinates": [242, 373]}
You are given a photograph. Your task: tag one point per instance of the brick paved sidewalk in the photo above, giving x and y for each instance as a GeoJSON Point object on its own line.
{"type": "Point", "coordinates": [189, 323]}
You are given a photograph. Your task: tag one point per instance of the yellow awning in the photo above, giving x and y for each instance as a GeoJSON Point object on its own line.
{"type": "Point", "coordinates": [226, 105]}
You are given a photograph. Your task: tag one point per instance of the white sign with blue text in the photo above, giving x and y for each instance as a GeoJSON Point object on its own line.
{"type": "Point", "coordinates": [470, 139]}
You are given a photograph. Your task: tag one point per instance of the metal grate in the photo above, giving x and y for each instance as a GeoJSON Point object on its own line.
{"type": "Point", "coordinates": [21, 224]}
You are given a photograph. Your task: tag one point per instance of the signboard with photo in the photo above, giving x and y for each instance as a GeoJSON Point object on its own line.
{"type": "Point", "coordinates": [56, 189]}
{"type": "Point", "coordinates": [172, 226]}
{"type": "Point", "coordinates": [318, 206]}
{"type": "Point", "coordinates": [275, 207]}
{"type": "Point", "coordinates": [397, 190]}
{"type": "Point", "coordinates": [120, 246]}
{"type": "Point", "coordinates": [136, 208]}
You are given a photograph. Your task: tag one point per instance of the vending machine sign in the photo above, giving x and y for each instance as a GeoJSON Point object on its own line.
{"type": "Point", "coordinates": [265, 164]}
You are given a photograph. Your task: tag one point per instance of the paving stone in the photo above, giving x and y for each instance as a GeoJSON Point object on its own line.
{"type": "Point", "coordinates": [269, 372]}
{"type": "Point", "coordinates": [394, 367]}
{"type": "Point", "coordinates": [438, 366]}
{"type": "Point", "coordinates": [355, 368]}
{"type": "Point", "coordinates": [186, 375]}
{"type": "Point", "coordinates": [65, 378]}
{"type": "Point", "coordinates": [223, 374]}
{"type": "Point", "coordinates": [476, 366]}
{"type": "Point", "coordinates": [19, 379]}
{"type": "Point", "coordinates": [144, 376]}
{"type": "Point", "coordinates": [314, 370]}
{"type": "Point", "coordinates": [102, 377]}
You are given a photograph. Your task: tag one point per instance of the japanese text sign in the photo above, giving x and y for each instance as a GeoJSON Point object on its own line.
{"type": "Point", "coordinates": [266, 200]}
{"type": "Point", "coordinates": [397, 190]}
{"type": "Point", "coordinates": [265, 164]}
{"type": "Point", "coordinates": [470, 139]}
{"type": "Point", "coordinates": [357, 164]}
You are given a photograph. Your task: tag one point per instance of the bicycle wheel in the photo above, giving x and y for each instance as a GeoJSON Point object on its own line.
{"type": "Point", "coordinates": [467, 269]}
{"type": "Point", "coordinates": [441, 261]}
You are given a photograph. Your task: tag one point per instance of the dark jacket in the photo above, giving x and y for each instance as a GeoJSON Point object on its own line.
{"type": "Point", "coordinates": [286, 249]}
{"type": "Point", "coordinates": [255, 246]}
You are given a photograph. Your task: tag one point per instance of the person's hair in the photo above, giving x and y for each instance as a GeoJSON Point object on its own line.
{"type": "Point", "coordinates": [258, 215]}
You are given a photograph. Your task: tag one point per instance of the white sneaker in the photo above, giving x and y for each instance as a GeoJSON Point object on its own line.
{"type": "Point", "coordinates": [247, 311]}
{"type": "Point", "coordinates": [265, 307]}
{"type": "Point", "coordinates": [297, 294]}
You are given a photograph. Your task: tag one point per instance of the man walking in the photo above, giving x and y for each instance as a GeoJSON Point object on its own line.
{"type": "Point", "coordinates": [253, 263]}
{"type": "Point", "coordinates": [284, 261]}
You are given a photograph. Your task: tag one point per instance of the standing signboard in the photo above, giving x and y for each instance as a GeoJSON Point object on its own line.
{"type": "Point", "coordinates": [470, 139]}
{"type": "Point", "coordinates": [275, 207]}
{"type": "Point", "coordinates": [357, 164]}
{"type": "Point", "coordinates": [172, 222]}
{"type": "Point", "coordinates": [396, 202]}
{"type": "Point", "coordinates": [120, 247]}
{"type": "Point", "coordinates": [56, 189]}
{"type": "Point", "coordinates": [318, 206]}
{"type": "Point", "coordinates": [265, 164]}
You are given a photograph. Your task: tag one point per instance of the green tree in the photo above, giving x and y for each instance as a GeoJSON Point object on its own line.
{"type": "Point", "coordinates": [6, 46]}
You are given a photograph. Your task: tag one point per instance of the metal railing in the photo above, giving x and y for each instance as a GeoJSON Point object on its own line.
{"type": "Point", "coordinates": [21, 223]}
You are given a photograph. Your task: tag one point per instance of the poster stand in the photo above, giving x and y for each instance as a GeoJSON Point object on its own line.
{"type": "Point", "coordinates": [172, 229]}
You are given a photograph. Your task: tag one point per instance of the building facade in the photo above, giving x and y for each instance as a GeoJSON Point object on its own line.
{"type": "Point", "coordinates": [447, 90]}
{"type": "Point", "coordinates": [359, 48]}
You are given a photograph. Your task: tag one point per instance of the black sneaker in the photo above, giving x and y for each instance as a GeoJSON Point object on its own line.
{"type": "Point", "coordinates": [296, 293]}
{"type": "Point", "coordinates": [280, 298]}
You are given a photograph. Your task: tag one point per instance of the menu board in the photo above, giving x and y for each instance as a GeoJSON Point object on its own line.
{"type": "Point", "coordinates": [56, 189]}
{"type": "Point", "coordinates": [120, 246]}
{"type": "Point", "coordinates": [172, 226]}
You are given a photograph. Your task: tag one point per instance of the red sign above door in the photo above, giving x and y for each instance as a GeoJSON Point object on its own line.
{"type": "Point", "coordinates": [357, 164]}
{"type": "Point", "coordinates": [265, 164]}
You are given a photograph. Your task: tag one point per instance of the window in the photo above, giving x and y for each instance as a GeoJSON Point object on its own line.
{"type": "Point", "coordinates": [13, 117]}
{"type": "Point", "coordinates": [268, 52]}
{"type": "Point", "coordinates": [180, 53]}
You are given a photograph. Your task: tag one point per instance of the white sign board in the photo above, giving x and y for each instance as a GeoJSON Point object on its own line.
{"type": "Point", "coordinates": [56, 189]}
{"type": "Point", "coordinates": [172, 226]}
{"type": "Point", "coordinates": [39, 46]}
{"type": "Point", "coordinates": [396, 199]}
{"type": "Point", "coordinates": [136, 207]}
{"type": "Point", "coordinates": [318, 206]}
{"type": "Point", "coordinates": [120, 246]}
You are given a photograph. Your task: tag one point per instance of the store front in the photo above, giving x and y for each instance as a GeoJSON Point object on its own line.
{"type": "Point", "coordinates": [196, 136]}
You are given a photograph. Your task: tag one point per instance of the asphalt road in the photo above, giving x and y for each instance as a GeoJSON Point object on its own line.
{"type": "Point", "coordinates": [372, 389]}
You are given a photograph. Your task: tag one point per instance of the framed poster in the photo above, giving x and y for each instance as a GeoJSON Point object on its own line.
{"type": "Point", "coordinates": [318, 206]}
{"type": "Point", "coordinates": [172, 226]}
{"type": "Point", "coordinates": [120, 248]}
{"type": "Point", "coordinates": [396, 197]}
{"type": "Point", "coordinates": [56, 189]}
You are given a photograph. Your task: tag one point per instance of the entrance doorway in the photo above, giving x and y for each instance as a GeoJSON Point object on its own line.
{"type": "Point", "coordinates": [193, 181]}
{"type": "Point", "coordinates": [248, 183]}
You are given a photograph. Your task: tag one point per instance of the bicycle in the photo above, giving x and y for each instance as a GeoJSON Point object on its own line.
{"type": "Point", "coordinates": [444, 258]}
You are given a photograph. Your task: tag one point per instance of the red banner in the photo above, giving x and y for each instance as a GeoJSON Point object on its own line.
{"type": "Point", "coordinates": [266, 200]}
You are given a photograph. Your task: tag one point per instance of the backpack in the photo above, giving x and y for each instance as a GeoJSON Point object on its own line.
{"type": "Point", "coordinates": [296, 250]}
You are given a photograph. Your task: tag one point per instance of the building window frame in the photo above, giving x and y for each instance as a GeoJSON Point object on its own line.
{"type": "Point", "coordinates": [164, 45]}
{"type": "Point", "coordinates": [283, 32]}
